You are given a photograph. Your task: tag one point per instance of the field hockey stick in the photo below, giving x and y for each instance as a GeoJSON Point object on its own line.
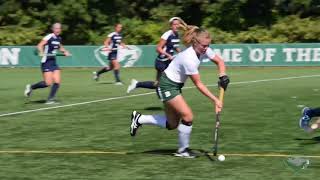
{"type": "Point", "coordinates": [216, 130]}
{"type": "Point", "coordinates": [43, 60]}
{"type": "Point", "coordinates": [167, 59]}
{"type": "Point", "coordinates": [49, 54]}
{"type": "Point", "coordinates": [52, 55]}
{"type": "Point", "coordinates": [113, 49]}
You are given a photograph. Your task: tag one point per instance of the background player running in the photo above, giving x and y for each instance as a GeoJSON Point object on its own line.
{"type": "Point", "coordinates": [177, 112]}
{"type": "Point", "coordinates": [50, 69]}
{"type": "Point", "coordinates": [307, 115]}
{"type": "Point", "coordinates": [169, 43]}
{"type": "Point", "coordinates": [112, 44]}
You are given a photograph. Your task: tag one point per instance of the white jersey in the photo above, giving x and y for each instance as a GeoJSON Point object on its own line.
{"type": "Point", "coordinates": [186, 63]}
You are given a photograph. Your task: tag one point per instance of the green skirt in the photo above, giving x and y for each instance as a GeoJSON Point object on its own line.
{"type": "Point", "coordinates": [168, 89]}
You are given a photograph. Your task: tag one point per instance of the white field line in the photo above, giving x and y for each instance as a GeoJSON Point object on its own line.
{"type": "Point", "coordinates": [144, 94]}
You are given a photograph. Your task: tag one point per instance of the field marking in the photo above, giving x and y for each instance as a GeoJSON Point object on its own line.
{"type": "Point", "coordinates": [270, 155]}
{"type": "Point", "coordinates": [144, 94]}
{"type": "Point", "coordinates": [94, 152]}
{"type": "Point", "coordinates": [75, 104]}
{"type": "Point", "coordinates": [59, 152]}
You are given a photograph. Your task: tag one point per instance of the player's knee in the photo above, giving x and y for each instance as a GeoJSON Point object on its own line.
{"type": "Point", "coordinates": [187, 117]}
{"type": "Point", "coordinates": [56, 81]}
{"type": "Point", "coordinates": [56, 84]}
{"type": "Point", "coordinates": [172, 125]}
{"type": "Point", "coordinates": [116, 67]}
{"type": "Point", "coordinates": [48, 83]}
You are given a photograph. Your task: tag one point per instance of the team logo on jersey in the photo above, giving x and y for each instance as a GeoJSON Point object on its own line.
{"type": "Point", "coordinates": [55, 42]}
{"type": "Point", "coordinates": [126, 56]}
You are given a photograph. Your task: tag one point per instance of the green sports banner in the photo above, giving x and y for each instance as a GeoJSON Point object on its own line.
{"type": "Point", "coordinates": [306, 54]}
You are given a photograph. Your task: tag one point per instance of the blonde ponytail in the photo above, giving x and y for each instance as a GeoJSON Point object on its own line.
{"type": "Point", "coordinates": [192, 34]}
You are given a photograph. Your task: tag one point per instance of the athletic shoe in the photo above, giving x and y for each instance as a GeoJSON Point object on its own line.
{"type": "Point", "coordinates": [305, 119]}
{"type": "Point", "coordinates": [51, 101]}
{"type": "Point", "coordinates": [95, 76]}
{"type": "Point", "coordinates": [28, 90]}
{"type": "Point", "coordinates": [134, 123]}
{"type": "Point", "coordinates": [305, 111]}
{"type": "Point", "coordinates": [118, 83]}
{"type": "Point", "coordinates": [132, 86]}
{"type": "Point", "coordinates": [186, 153]}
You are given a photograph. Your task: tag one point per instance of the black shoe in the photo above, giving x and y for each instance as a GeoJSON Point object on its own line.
{"type": "Point", "coordinates": [186, 153]}
{"type": "Point", "coordinates": [134, 123]}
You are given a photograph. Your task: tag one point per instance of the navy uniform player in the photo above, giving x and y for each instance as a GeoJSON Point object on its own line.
{"type": "Point", "coordinates": [307, 114]}
{"type": "Point", "coordinates": [50, 69]}
{"type": "Point", "coordinates": [168, 45]}
{"type": "Point", "coordinates": [112, 44]}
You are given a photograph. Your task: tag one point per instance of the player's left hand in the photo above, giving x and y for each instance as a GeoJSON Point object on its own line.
{"type": "Point", "coordinates": [66, 53]}
{"type": "Point", "coordinates": [223, 82]}
{"type": "Point", "coordinates": [218, 107]}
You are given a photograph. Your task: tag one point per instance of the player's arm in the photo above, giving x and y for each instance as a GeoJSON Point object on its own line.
{"type": "Point", "coordinates": [64, 51]}
{"type": "Point", "coordinates": [223, 77]}
{"type": "Point", "coordinates": [220, 63]}
{"type": "Point", "coordinates": [178, 49]}
{"type": "Point", "coordinates": [107, 43]}
{"type": "Point", "coordinates": [123, 45]}
{"type": "Point", "coordinates": [205, 91]}
{"type": "Point", "coordinates": [41, 45]}
{"type": "Point", "coordinates": [160, 50]}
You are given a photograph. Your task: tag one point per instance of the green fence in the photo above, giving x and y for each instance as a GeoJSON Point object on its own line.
{"type": "Point", "coordinates": [307, 54]}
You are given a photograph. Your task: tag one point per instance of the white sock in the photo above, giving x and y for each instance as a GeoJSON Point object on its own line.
{"type": "Point", "coordinates": [158, 120]}
{"type": "Point", "coordinates": [184, 136]}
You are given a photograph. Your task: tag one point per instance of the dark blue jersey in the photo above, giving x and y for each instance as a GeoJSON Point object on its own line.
{"type": "Point", "coordinates": [53, 44]}
{"type": "Point", "coordinates": [172, 43]}
{"type": "Point", "coordinates": [116, 39]}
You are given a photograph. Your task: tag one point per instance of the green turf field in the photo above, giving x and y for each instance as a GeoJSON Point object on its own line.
{"type": "Point", "coordinates": [91, 141]}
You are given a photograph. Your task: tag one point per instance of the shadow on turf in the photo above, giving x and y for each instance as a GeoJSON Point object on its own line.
{"type": "Point", "coordinates": [153, 108]}
{"type": "Point", "coordinates": [42, 101]}
{"type": "Point", "coordinates": [106, 82]}
{"type": "Point", "coordinates": [166, 152]}
{"type": "Point", "coordinates": [170, 152]}
{"type": "Point", "coordinates": [313, 140]}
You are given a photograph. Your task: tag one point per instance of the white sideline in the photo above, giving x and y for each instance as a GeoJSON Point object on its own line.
{"type": "Point", "coordinates": [144, 94]}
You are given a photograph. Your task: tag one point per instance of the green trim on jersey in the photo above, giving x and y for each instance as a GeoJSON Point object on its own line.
{"type": "Point", "coordinates": [168, 89]}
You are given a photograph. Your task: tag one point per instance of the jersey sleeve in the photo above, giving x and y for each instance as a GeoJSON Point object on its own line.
{"type": "Point", "coordinates": [110, 35]}
{"type": "Point", "coordinates": [47, 37]}
{"type": "Point", "coordinates": [210, 54]}
{"type": "Point", "coordinates": [166, 35]}
{"type": "Point", "coordinates": [190, 68]}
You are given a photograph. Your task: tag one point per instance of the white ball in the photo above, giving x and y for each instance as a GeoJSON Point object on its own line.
{"type": "Point", "coordinates": [221, 158]}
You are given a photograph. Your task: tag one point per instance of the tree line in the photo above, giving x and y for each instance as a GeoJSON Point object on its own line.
{"type": "Point", "coordinates": [87, 22]}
